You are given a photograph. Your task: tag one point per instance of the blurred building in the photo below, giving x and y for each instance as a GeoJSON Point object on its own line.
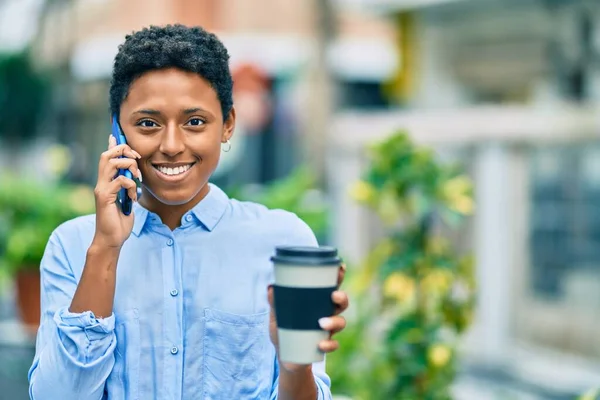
{"type": "Point", "coordinates": [510, 89]}
{"type": "Point", "coordinates": [287, 41]}
{"type": "Point", "coordinates": [299, 55]}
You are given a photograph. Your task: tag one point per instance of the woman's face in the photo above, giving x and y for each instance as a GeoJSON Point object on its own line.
{"type": "Point", "coordinates": [173, 118]}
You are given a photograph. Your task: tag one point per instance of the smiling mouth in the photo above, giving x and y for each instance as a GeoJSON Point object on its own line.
{"type": "Point", "coordinates": [173, 170]}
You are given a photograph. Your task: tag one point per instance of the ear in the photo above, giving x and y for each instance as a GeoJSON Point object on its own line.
{"type": "Point", "coordinates": [229, 126]}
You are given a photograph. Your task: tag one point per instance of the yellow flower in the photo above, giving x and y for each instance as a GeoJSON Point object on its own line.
{"type": "Point", "coordinates": [362, 191]}
{"type": "Point", "coordinates": [437, 281]}
{"type": "Point", "coordinates": [400, 287]}
{"type": "Point", "coordinates": [456, 192]}
{"type": "Point", "coordinates": [457, 185]}
{"type": "Point", "coordinates": [462, 204]}
{"type": "Point", "coordinates": [439, 355]}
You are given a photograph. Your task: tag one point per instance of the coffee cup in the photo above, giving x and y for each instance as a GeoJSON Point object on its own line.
{"type": "Point", "coordinates": [305, 278]}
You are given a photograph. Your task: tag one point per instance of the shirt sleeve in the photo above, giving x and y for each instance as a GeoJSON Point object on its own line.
{"type": "Point", "coordinates": [321, 379]}
{"type": "Point", "coordinates": [300, 234]}
{"type": "Point", "coordinates": [74, 351]}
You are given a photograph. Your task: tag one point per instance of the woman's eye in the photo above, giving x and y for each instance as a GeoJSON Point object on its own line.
{"type": "Point", "coordinates": [146, 123]}
{"type": "Point", "coordinates": [195, 122]}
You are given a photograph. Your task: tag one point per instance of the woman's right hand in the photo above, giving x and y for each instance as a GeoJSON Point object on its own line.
{"type": "Point", "coordinates": [112, 226]}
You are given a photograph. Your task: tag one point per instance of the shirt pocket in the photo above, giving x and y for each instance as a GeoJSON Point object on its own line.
{"type": "Point", "coordinates": [238, 356]}
{"type": "Point", "coordinates": [122, 382]}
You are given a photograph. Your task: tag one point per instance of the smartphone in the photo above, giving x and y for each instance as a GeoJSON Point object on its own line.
{"type": "Point", "coordinates": [123, 198]}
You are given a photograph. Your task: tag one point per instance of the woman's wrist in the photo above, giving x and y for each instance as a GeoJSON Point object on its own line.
{"type": "Point", "coordinates": [296, 382]}
{"type": "Point", "coordinates": [100, 245]}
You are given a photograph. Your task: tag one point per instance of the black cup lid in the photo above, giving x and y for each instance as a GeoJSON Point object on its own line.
{"type": "Point", "coordinates": [302, 255]}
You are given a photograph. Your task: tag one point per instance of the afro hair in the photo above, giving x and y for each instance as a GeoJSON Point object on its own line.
{"type": "Point", "coordinates": [191, 49]}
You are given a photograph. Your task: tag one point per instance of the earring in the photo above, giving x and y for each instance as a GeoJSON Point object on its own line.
{"type": "Point", "coordinates": [226, 149]}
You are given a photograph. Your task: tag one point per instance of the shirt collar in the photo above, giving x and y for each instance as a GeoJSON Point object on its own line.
{"type": "Point", "coordinates": [211, 209]}
{"type": "Point", "coordinates": [208, 211]}
{"type": "Point", "coordinates": [140, 217]}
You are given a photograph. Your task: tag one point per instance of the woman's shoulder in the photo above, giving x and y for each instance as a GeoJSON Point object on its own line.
{"type": "Point", "coordinates": [249, 211]}
{"type": "Point", "coordinates": [78, 228]}
{"type": "Point", "coordinates": [276, 222]}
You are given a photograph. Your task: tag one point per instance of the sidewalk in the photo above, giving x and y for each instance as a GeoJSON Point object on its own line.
{"type": "Point", "coordinates": [482, 383]}
{"type": "Point", "coordinates": [471, 388]}
{"type": "Point", "coordinates": [16, 353]}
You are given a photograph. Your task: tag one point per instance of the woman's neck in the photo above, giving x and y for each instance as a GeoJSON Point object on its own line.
{"type": "Point", "coordinates": [171, 215]}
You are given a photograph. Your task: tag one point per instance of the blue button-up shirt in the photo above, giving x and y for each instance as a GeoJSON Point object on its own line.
{"type": "Point", "coordinates": [190, 318]}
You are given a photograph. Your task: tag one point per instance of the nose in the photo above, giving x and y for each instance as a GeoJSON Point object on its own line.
{"type": "Point", "coordinates": [172, 142]}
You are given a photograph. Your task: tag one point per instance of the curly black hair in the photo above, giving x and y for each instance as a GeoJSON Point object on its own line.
{"type": "Point", "coordinates": [191, 49]}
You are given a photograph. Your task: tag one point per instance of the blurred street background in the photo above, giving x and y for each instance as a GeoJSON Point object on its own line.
{"type": "Point", "coordinates": [507, 89]}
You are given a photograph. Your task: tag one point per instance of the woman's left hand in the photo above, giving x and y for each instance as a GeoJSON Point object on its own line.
{"type": "Point", "coordinates": [333, 324]}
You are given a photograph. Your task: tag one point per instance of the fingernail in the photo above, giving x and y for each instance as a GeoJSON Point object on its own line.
{"type": "Point", "coordinates": [111, 140]}
{"type": "Point", "coordinates": [325, 323]}
{"type": "Point", "coordinates": [140, 175]}
{"type": "Point", "coordinates": [137, 154]}
{"type": "Point", "coordinates": [336, 296]}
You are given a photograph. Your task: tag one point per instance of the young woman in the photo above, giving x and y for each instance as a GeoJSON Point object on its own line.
{"type": "Point", "coordinates": [173, 301]}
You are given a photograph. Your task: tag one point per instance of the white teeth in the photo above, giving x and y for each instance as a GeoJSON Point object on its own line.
{"type": "Point", "coordinates": [174, 171]}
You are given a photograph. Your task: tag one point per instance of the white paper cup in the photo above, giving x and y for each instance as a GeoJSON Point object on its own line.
{"type": "Point", "coordinates": [305, 278]}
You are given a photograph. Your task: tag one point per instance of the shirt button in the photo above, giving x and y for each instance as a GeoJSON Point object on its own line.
{"type": "Point", "coordinates": [174, 292]}
{"type": "Point", "coordinates": [170, 242]}
{"type": "Point", "coordinates": [188, 218]}
{"type": "Point", "coordinates": [174, 350]}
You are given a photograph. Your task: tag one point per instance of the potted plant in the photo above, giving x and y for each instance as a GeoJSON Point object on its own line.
{"type": "Point", "coordinates": [29, 212]}
{"type": "Point", "coordinates": [413, 296]}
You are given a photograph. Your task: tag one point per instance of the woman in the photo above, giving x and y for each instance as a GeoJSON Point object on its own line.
{"type": "Point", "coordinates": [171, 302]}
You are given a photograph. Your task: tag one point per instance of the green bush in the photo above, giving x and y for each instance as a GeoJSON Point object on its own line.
{"type": "Point", "coordinates": [292, 193]}
{"type": "Point", "coordinates": [29, 211]}
{"type": "Point", "coordinates": [414, 295]}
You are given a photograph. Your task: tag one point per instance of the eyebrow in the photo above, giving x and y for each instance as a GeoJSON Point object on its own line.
{"type": "Point", "coordinates": [192, 110]}
{"type": "Point", "coordinates": [148, 111]}
{"type": "Point", "coordinates": [156, 112]}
